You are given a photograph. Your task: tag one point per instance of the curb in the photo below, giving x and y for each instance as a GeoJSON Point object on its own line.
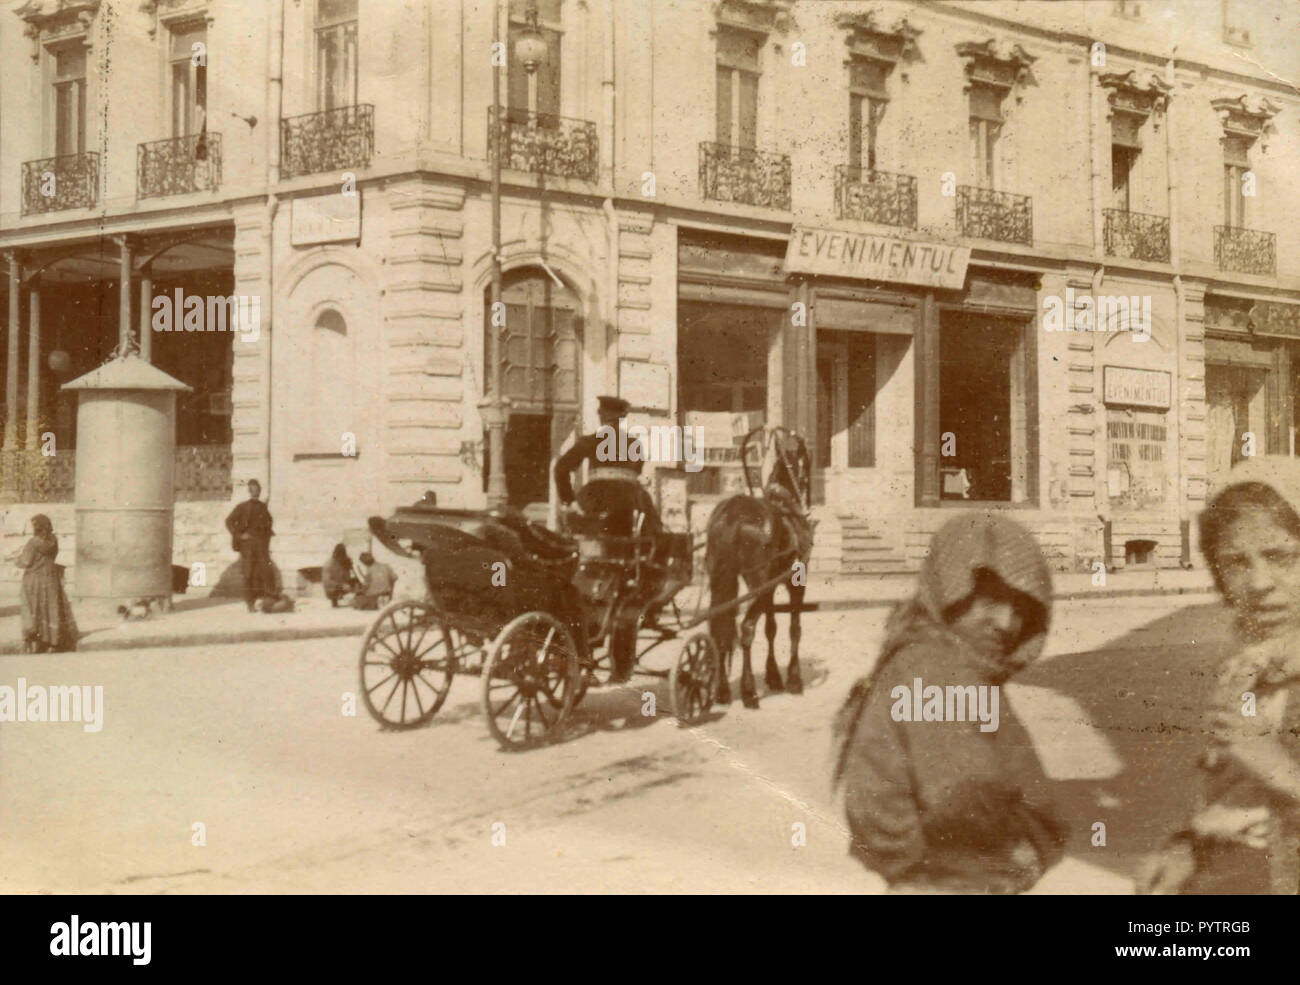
{"type": "Point", "coordinates": [279, 635]}
{"type": "Point", "coordinates": [283, 634]}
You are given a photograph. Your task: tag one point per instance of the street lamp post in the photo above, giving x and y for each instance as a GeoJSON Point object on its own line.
{"type": "Point", "coordinates": [530, 46]}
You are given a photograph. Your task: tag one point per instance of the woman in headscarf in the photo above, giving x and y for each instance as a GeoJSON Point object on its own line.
{"type": "Point", "coordinates": [944, 805]}
{"type": "Point", "coordinates": [1245, 837]}
{"type": "Point", "coordinates": [47, 617]}
{"type": "Point", "coordinates": [338, 577]}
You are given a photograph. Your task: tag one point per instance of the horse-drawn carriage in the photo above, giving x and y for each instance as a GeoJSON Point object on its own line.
{"type": "Point", "coordinates": [541, 616]}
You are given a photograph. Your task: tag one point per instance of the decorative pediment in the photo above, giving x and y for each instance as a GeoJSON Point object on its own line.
{"type": "Point", "coordinates": [1247, 117]}
{"type": "Point", "coordinates": [995, 63]}
{"type": "Point", "coordinates": [170, 12]}
{"type": "Point", "coordinates": [759, 16]}
{"type": "Point", "coordinates": [868, 36]}
{"type": "Point", "coordinates": [1129, 93]}
{"type": "Point", "coordinates": [50, 21]}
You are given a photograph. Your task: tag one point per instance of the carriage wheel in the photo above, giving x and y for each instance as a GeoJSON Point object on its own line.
{"type": "Point", "coordinates": [693, 682]}
{"type": "Point", "coordinates": [530, 680]}
{"type": "Point", "coordinates": [408, 659]}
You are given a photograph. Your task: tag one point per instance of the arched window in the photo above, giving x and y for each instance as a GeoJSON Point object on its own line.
{"type": "Point", "coordinates": [332, 373]}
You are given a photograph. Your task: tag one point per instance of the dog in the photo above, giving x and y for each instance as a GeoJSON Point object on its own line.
{"type": "Point", "coordinates": [137, 610]}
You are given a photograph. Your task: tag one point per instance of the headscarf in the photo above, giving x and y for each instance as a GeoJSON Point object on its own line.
{"type": "Point", "coordinates": [41, 525]}
{"type": "Point", "coordinates": [1278, 472]}
{"type": "Point", "coordinates": [340, 556]}
{"type": "Point", "coordinates": [963, 546]}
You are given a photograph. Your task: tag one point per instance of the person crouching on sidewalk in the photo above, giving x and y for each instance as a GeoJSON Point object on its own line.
{"type": "Point", "coordinates": [377, 591]}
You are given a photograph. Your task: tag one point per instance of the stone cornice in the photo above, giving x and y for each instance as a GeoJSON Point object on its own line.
{"type": "Point", "coordinates": [170, 12]}
{"type": "Point", "coordinates": [1128, 94]}
{"type": "Point", "coordinates": [1004, 65]}
{"type": "Point", "coordinates": [1247, 117]}
{"type": "Point", "coordinates": [866, 35]}
{"type": "Point", "coordinates": [759, 16]}
{"type": "Point", "coordinates": [49, 21]}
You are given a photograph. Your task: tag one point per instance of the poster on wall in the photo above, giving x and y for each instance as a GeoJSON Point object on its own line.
{"type": "Point", "coordinates": [1137, 473]}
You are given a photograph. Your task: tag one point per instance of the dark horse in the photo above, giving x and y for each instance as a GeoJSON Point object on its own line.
{"type": "Point", "coordinates": [759, 539]}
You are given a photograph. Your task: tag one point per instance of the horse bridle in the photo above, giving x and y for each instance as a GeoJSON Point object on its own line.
{"type": "Point", "coordinates": [779, 436]}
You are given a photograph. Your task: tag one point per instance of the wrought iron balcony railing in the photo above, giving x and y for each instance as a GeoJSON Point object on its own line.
{"type": "Point", "coordinates": [546, 144]}
{"type": "Point", "coordinates": [1136, 235]}
{"type": "Point", "coordinates": [340, 139]}
{"type": "Point", "coordinates": [745, 175]}
{"type": "Point", "coordinates": [875, 196]}
{"type": "Point", "coordinates": [987, 214]}
{"type": "Point", "coordinates": [1247, 251]}
{"type": "Point", "coordinates": [202, 473]}
{"type": "Point", "coordinates": [52, 184]}
{"type": "Point", "coordinates": [178, 166]}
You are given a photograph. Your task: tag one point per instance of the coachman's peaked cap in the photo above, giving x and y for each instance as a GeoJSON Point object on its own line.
{"type": "Point", "coordinates": [613, 405]}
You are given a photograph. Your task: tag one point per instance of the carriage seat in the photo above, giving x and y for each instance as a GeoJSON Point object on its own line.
{"type": "Point", "coordinates": [537, 540]}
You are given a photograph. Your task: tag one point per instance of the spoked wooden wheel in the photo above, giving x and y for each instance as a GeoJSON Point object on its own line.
{"type": "Point", "coordinates": [530, 680]}
{"type": "Point", "coordinates": [693, 683]}
{"type": "Point", "coordinates": [408, 659]}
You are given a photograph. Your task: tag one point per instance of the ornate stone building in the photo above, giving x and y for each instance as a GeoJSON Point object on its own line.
{"type": "Point", "coordinates": [861, 220]}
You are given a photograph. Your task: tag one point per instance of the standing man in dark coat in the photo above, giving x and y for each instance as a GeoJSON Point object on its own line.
{"type": "Point", "coordinates": [249, 524]}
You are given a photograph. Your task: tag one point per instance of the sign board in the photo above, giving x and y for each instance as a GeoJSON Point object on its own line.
{"type": "Point", "coordinates": [867, 256]}
{"type": "Point", "coordinates": [646, 386]}
{"type": "Point", "coordinates": [1137, 473]}
{"type": "Point", "coordinates": [329, 218]}
{"type": "Point", "coordinates": [1129, 387]}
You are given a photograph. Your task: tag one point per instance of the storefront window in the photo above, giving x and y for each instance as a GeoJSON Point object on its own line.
{"type": "Point", "coordinates": [722, 352]}
{"type": "Point", "coordinates": [1235, 399]}
{"type": "Point", "coordinates": [985, 383]}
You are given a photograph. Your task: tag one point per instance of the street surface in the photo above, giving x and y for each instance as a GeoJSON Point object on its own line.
{"type": "Point", "coordinates": [251, 742]}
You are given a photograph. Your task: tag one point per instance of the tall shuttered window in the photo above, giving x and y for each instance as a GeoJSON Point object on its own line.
{"type": "Point", "coordinates": [1236, 162]}
{"type": "Point", "coordinates": [985, 127]}
{"type": "Point", "coordinates": [867, 102]}
{"type": "Point", "coordinates": [737, 88]}
{"type": "Point", "coordinates": [70, 100]}
{"type": "Point", "coordinates": [189, 95]}
{"type": "Point", "coordinates": [336, 54]}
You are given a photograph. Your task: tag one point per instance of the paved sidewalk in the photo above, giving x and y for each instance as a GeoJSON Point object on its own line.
{"type": "Point", "coordinates": [209, 621]}
{"type": "Point", "coordinates": [198, 622]}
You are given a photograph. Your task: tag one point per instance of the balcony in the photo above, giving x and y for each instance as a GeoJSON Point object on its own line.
{"type": "Point", "coordinates": [1136, 235]}
{"type": "Point", "coordinates": [1246, 251]}
{"type": "Point", "coordinates": [335, 140]}
{"type": "Point", "coordinates": [53, 184]}
{"type": "Point", "coordinates": [178, 166]}
{"type": "Point", "coordinates": [983, 213]}
{"type": "Point", "coordinates": [544, 143]}
{"type": "Point", "coordinates": [745, 175]}
{"type": "Point", "coordinates": [875, 196]}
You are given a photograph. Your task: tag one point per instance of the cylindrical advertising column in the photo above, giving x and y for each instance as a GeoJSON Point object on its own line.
{"type": "Point", "coordinates": [126, 424]}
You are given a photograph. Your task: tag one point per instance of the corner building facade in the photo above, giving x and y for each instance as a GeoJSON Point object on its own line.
{"type": "Point", "coordinates": [852, 219]}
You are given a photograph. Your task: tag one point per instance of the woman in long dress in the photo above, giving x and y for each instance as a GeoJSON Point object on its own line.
{"type": "Point", "coordinates": [48, 624]}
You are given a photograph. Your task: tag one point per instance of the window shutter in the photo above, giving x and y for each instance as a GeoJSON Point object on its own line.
{"type": "Point", "coordinates": [1126, 131]}
{"type": "Point", "coordinates": [724, 105]}
{"type": "Point", "coordinates": [985, 103]}
{"type": "Point", "coordinates": [862, 401]}
{"type": "Point", "coordinates": [748, 130]}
